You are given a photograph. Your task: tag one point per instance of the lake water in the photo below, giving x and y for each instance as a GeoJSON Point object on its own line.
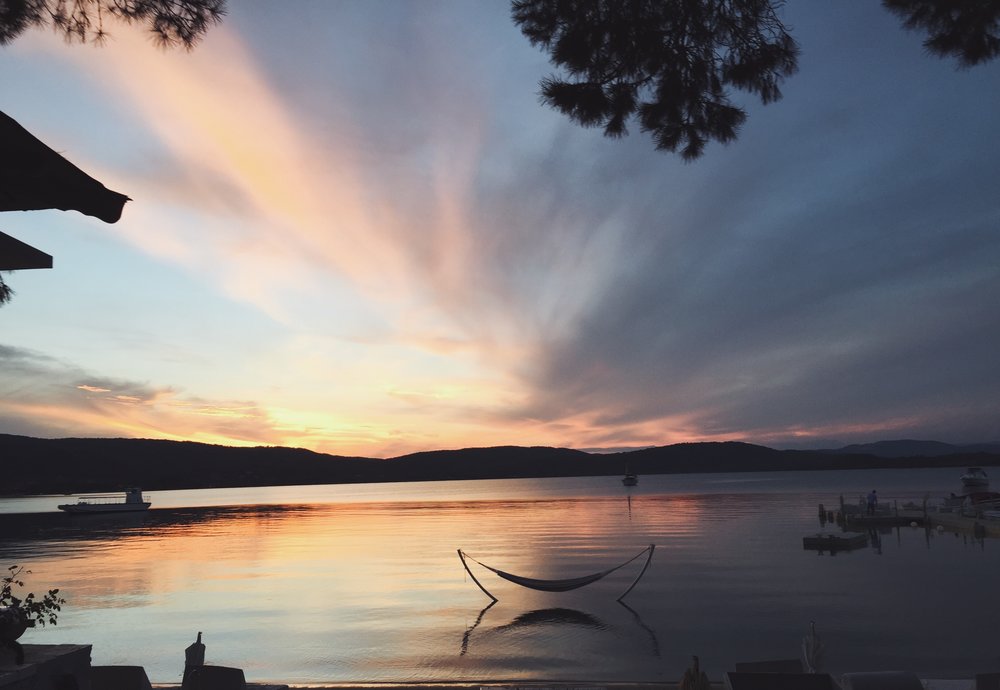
{"type": "Point", "coordinates": [362, 583]}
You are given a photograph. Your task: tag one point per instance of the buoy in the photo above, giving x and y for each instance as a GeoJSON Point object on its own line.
{"type": "Point", "coordinates": [913, 523]}
{"type": "Point", "coordinates": [940, 528]}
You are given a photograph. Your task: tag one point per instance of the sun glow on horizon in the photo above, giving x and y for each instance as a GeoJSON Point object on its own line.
{"type": "Point", "coordinates": [378, 243]}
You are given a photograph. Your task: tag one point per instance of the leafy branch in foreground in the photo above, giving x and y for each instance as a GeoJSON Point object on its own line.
{"type": "Point", "coordinates": [6, 292]}
{"type": "Point", "coordinates": [671, 64]}
{"type": "Point", "coordinates": [968, 31]}
{"type": "Point", "coordinates": [668, 64]}
{"type": "Point", "coordinates": [172, 22]}
{"type": "Point", "coordinates": [33, 610]}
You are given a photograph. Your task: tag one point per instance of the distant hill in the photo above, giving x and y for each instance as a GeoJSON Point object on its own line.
{"type": "Point", "coordinates": [914, 449]}
{"type": "Point", "coordinates": [81, 465]}
{"type": "Point", "coordinates": [75, 465]}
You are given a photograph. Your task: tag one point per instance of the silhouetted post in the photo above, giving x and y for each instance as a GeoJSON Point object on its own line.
{"type": "Point", "coordinates": [194, 657]}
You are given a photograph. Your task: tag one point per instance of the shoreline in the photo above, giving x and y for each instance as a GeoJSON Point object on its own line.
{"type": "Point", "coordinates": [928, 684]}
{"type": "Point", "coordinates": [44, 663]}
{"type": "Point", "coordinates": [456, 685]}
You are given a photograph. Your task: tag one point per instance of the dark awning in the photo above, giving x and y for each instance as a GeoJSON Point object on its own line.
{"type": "Point", "coordinates": [34, 177]}
{"type": "Point", "coordinates": [15, 255]}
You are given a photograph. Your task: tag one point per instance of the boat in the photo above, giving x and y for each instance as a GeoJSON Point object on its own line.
{"type": "Point", "coordinates": [975, 476]}
{"type": "Point", "coordinates": [630, 478]}
{"type": "Point", "coordinates": [133, 501]}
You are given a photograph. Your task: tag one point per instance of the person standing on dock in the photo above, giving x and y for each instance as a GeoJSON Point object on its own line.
{"type": "Point", "coordinates": [872, 502]}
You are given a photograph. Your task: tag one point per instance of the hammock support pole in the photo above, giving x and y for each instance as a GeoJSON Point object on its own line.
{"type": "Point", "coordinates": [485, 591]}
{"type": "Point", "coordinates": [649, 558]}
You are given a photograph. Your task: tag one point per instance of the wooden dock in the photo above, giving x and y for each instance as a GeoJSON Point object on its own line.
{"type": "Point", "coordinates": [899, 518]}
{"type": "Point", "coordinates": [954, 522]}
{"type": "Point", "coordinates": [854, 518]}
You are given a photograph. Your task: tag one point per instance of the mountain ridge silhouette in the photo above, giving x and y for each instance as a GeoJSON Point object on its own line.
{"type": "Point", "coordinates": [75, 465]}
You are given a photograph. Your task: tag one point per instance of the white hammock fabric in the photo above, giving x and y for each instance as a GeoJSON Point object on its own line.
{"type": "Point", "coordinates": [564, 585]}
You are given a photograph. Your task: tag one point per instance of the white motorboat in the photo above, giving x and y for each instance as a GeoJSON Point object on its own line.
{"type": "Point", "coordinates": [975, 477]}
{"type": "Point", "coordinates": [131, 502]}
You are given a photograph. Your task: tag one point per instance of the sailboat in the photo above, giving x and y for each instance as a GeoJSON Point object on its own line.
{"type": "Point", "coordinates": [630, 478]}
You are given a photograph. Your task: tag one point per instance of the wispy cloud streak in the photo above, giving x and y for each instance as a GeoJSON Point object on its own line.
{"type": "Point", "coordinates": [449, 264]}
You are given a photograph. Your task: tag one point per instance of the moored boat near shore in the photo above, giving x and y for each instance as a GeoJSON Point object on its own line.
{"type": "Point", "coordinates": [975, 477]}
{"type": "Point", "coordinates": [131, 502]}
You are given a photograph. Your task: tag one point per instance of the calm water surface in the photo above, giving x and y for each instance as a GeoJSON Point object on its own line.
{"type": "Point", "coordinates": [362, 583]}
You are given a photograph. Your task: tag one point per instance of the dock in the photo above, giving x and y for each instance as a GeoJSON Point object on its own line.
{"type": "Point", "coordinates": [979, 521]}
{"type": "Point", "coordinates": [966, 524]}
{"type": "Point", "coordinates": [899, 518]}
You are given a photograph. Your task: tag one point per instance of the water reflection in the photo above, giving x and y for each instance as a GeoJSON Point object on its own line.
{"type": "Point", "coordinates": [559, 617]}
{"type": "Point", "coordinates": [875, 539]}
{"type": "Point", "coordinates": [471, 628]}
{"type": "Point", "coordinates": [21, 534]}
{"type": "Point", "coordinates": [372, 591]}
{"type": "Point", "coordinates": [974, 534]}
{"type": "Point", "coordinates": [654, 642]}
{"type": "Point", "coordinates": [553, 616]}
{"type": "Point", "coordinates": [45, 526]}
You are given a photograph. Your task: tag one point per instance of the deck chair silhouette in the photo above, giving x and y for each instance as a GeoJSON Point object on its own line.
{"type": "Point", "coordinates": [779, 681]}
{"type": "Point", "coordinates": [774, 666]}
{"type": "Point", "coordinates": [119, 678]}
{"type": "Point", "coordinates": [215, 678]}
{"type": "Point", "coordinates": [881, 680]}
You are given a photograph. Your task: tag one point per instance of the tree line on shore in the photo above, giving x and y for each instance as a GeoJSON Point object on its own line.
{"type": "Point", "coordinates": [76, 465]}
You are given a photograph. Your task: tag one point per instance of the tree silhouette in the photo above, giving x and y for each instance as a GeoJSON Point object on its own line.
{"type": "Point", "coordinates": [172, 22]}
{"type": "Point", "coordinates": [6, 293]}
{"type": "Point", "coordinates": [968, 31]}
{"type": "Point", "coordinates": [671, 64]}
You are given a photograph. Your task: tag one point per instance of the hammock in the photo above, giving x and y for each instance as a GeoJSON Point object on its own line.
{"type": "Point", "coordinates": [557, 585]}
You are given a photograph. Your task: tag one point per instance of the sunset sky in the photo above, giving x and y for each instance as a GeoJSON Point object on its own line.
{"type": "Point", "coordinates": [355, 229]}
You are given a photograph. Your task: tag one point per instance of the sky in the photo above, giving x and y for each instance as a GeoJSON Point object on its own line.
{"type": "Point", "coordinates": [354, 228]}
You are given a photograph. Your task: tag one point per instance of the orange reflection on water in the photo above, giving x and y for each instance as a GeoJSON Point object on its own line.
{"type": "Point", "coordinates": [348, 581]}
{"type": "Point", "coordinates": [335, 549]}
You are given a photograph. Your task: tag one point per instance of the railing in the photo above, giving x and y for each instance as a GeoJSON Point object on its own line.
{"type": "Point", "coordinates": [104, 499]}
{"type": "Point", "coordinates": [887, 505]}
{"type": "Point", "coordinates": [976, 509]}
